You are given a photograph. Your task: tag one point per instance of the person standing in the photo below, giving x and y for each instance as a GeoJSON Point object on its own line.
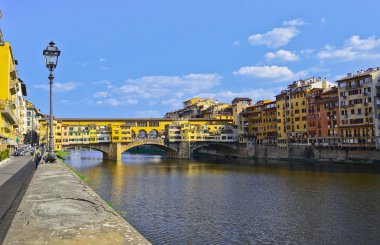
{"type": "Point", "coordinates": [37, 156]}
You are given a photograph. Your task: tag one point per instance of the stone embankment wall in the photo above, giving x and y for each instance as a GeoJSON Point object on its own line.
{"type": "Point", "coordinates": [317, 153]}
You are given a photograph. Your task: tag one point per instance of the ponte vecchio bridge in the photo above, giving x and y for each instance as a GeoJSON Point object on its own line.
{"type": "Point", "coordinates": [113, 136]}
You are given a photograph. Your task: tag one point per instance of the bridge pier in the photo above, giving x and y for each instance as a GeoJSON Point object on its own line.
{"type": "Point", "coordinates": [184, 150]}
{"type": "Point", "coordinates": [114, 152]}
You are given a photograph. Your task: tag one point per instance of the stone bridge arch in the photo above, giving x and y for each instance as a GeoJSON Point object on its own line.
{"type": "Point", "coordinates": [103, 148]}
{"type": "Point", "coordinates": [218, 147]}
{"type": "Point", "coordinates": [170, 151]}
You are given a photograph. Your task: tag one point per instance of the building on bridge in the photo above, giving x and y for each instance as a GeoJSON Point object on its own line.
{"type": "Point", "coordinates": [183, 131]}
{"type": "Point", "coordinates": [89, 132]}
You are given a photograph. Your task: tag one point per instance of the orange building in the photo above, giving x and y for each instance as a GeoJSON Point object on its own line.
{"type": "Point", "coordinates": [323, 117]}
{"type": "Point", "coordinates": [262, 121]}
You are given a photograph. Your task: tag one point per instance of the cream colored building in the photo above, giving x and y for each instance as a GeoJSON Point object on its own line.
{"type": "Point", "coordinates": [241, 122]}
{"type": "Point", "coordinates": [359, 108]}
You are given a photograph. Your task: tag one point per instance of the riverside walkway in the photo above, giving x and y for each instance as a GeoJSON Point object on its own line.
{"type": "Point", "coordinates": [59, 208]}
{"type": "Point", "coordinates": [15, 175]}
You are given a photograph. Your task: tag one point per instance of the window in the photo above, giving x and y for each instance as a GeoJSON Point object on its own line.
{"type": "Point", "coordinates": [153, 124]}
{"type": "Point", "coordinates": [342, 85]}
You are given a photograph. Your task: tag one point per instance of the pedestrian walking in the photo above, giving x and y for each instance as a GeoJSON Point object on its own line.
{"type": "Point", "coordinates": [37, 156]}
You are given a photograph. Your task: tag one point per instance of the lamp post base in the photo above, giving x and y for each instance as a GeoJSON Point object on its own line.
{"type": "Point", "coordinates": [50, 158]}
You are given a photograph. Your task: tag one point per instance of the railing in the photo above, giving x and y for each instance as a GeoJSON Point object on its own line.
{"type": "Point", "coordinates": [138, 141]}
{"type": "Point", "coordinates": [6, 108]}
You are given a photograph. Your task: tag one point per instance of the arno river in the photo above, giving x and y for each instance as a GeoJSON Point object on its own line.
{"type": "Point", "coordinates": [234, 201]}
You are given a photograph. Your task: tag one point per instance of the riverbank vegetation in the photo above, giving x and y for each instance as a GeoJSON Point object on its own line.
{"type": "Point", "coordinates": [4, 154]}
{"type": "Point", "coordinates": [81, 176]}
{"type": "Point", "coordinates": [61, 154]}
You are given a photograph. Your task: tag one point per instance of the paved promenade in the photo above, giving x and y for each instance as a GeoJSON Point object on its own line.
{"type": "Point", "coordinates": [59, 208]}
{"type": "Point", "coordinates": [15, 175]}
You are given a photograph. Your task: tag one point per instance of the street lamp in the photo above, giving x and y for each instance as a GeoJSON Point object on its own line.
{"type": "Point", "coordinates": [51, 54]}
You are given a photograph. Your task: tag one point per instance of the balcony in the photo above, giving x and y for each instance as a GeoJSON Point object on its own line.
{"type": "Point", "coordinates": [6, 111]}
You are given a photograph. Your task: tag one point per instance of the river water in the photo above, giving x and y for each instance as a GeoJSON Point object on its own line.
{"type": "Point", "coordinates": [231, 201]}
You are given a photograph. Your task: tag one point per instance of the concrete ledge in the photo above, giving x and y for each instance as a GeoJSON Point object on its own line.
{"type": "Point", "coordinates": [59, 208]}
{"type": "Point", "coordinates": [5, 161]}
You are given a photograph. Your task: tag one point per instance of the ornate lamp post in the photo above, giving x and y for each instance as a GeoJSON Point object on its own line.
{"type": "Point", "coordinates": [51, 54]}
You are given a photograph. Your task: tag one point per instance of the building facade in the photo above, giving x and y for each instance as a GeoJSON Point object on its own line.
{"type": "Point", "coordinates": [239, 120]}
{"type": "Point", "coordinates": [12, 104]}
{"type": "Point", "coordinates": [323, 117]}
{"type": "Point", "coordinates": [262, 122]}
{"type": "Point", "coordinates": [359, 108]}
{"type": "Point", "coordinates": [292, 110]}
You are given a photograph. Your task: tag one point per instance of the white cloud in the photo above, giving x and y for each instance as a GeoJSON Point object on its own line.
{"type": "Point", "coordinates": [152, 103]}
{"type": "Point", "coordinates": [282, 55]}
{"type": "Point", "coordinates": [330, 52]}
{"type": "Point", "coordinates": [149, 113]}
{"type": "Point", "coordinates": [101, 94]}
{"type": "Point", "coordinates": [323, 21]}
{"type": "Point", "coordinates": [84, 64]}
{"type": "Point", "coordinates": [353, 48]}
{"type": "Point", "coordinates": [294, 22]}
{"type": "Point", "coordinates": [66, 102]}
{"type": "Point", "coordinates": [60, 87]}
{"type": "Point", "coordinates": [154, 90]}
{"type": "Point", "coordinates": [236, 43]}
{"type": "Point", "coordinates": [279, 36]}
{"type": "Point", "coordinates": [102, 60]}
{"type": "Point", "coordinates": [117, 101]}
{"type": "Point", "coordinates": [337, 77]}
{"type": "Point", "coordinates": [356, 42]}
{"type": "Point", "coordinates": [275, 38]}
{"type": "Point", "coordinates": [275, 73]}
{"type": "Point", "coordinates": [102, 82]}
{"type": "Point", "coordinates": [255, 94]}
{"type": "Point", "coordinates": [172, 102]}
{"type": "Point", "coordinates": [161, 86]}
{"type": "Point", "coordinates": [108, 84]}
{"type": "Point", "coordinates": [307, 51]}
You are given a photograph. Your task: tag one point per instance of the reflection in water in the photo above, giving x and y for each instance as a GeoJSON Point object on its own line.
{"type": "Point", "coordinates": [238, 201]}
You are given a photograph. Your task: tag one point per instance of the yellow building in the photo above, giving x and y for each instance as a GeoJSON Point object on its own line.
{"type": "Point", "coordinates": [45, 133]}
{"type": "Point", "coordinates": [92, 131]}
{"type": "Point", "coordinates": [262, 121]}
{"type": "Point", "coordinates": [292, 110]}
{"type": "Point", "coordinates": [12, 104]}
{"type": "Point", "coordinates": [193, 132]}
{"type": "Point", "coordinates": [218, 111]}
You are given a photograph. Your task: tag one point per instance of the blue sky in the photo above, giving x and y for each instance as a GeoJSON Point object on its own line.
{"type": "Point", "coordinates": [125, 58]}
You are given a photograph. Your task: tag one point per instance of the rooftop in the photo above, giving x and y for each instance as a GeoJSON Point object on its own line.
{"type": "Point", "coordinates": [360, 73]}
